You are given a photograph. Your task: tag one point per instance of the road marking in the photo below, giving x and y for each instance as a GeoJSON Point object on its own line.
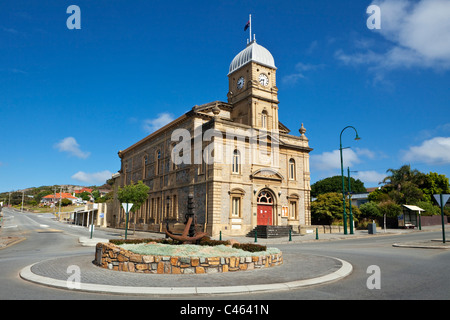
{"type": "Point", "coordinates": [15, 226]}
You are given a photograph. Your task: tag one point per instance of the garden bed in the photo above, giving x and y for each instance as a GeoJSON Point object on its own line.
{"type": "Point", "coordinates": [153, 257]}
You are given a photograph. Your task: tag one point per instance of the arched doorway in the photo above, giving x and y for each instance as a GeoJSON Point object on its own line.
{"type": "Point", "coordinates": [264, 208]}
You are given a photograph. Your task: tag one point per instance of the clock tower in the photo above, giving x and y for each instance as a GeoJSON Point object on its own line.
{"type": "Point", "coordinates": [252, 88]}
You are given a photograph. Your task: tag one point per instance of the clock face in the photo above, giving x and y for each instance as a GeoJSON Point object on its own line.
{"type": "Point", "coordinates": [240, 83]}
{"type": "Point", "coordinates": [263, 80]}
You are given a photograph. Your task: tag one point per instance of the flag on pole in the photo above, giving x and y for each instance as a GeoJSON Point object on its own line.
{"type": "Point", "coordinates": [247, 25]}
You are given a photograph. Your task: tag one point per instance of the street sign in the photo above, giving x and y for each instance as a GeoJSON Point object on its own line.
{"type": "Point", "coordinates": [127, 206]}
{"type": "Point", "coordinates": [442, 200]}
{"type": "Point", "coordinates": [445, 198]}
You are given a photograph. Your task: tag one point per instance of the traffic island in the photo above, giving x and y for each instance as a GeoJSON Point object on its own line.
{"type": "Point", "coordinates": [114, 257]}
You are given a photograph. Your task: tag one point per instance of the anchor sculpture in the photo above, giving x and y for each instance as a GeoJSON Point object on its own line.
{"type": "Point", "coordinates": [189, 234]}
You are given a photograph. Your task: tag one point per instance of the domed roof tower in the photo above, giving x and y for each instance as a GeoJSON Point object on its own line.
{"type": "Point", "coordinates": [252, 88]}
{"type": "Point", "coordinates": [253, 52]}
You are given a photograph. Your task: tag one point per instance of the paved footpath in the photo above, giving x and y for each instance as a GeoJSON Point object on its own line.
{"type": "Point", "coordinates": [297, 270]}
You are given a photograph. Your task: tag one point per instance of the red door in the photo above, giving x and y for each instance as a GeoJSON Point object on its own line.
{"type": "Point", "coordinates": [264, 216]}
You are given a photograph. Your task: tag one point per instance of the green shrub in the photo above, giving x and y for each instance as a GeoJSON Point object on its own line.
{"type": "Point", "coordinates": [250, 247]}
{"type": "Point", "coordinates": [206, 241]}
{"type": "Point", "coordinates": [137, 241]}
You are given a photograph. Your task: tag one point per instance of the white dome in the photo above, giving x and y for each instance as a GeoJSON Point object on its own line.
{"type": "Point", "coordinates": [254, 52]}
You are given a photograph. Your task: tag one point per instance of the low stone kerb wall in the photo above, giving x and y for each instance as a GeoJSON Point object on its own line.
{"type": "Point", "coordinates": [108, 255]}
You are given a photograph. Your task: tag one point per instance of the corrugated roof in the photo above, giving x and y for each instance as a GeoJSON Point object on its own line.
{"type": "Point", "coordinates": [413, 208]}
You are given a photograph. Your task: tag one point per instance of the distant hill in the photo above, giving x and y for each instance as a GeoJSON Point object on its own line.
{"type": "Point", "coordinates": [37, 193]}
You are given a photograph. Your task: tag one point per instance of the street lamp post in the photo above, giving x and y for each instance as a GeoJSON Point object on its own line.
{"type": "Point", "coordinates": [342, 174]}
{"type": "Point", "coordinates": [350, 200]}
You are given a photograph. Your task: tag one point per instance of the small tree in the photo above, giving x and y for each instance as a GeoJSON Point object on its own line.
{"type": "Point", "coordinates": [135, 194]}
{"type": "Point", "coordinates": [65, 202]}
{"type": "Point", "coordinates": [326, 208]}
{"type": "Point", "coordinates": [370, 210]}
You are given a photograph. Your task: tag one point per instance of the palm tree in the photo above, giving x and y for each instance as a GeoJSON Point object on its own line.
{"type": "Point", "coordinates": [400, 176]}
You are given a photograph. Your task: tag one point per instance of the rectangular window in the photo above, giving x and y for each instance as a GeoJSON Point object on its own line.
{"type": "Point", "coordinates": [293, 209]}
{"type": "Point", "coordinates": [152, 209]}
{"type": "Point", "coordinates": [236, 207]}
{"type": "Point", "coordinates": [174, 207]}
{"type": "Point", "coordinates": [236, 161]}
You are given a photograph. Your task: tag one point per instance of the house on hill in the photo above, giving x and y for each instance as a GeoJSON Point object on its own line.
{"type": "Point", "coordinates": [56, 197]}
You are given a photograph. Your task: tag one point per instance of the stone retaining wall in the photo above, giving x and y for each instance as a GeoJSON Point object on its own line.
{"type": "Point", "coordinates": [108, 255]}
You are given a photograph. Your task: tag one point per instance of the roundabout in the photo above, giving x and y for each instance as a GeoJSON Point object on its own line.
{"type": "Point", "coordinates": [81, 274]}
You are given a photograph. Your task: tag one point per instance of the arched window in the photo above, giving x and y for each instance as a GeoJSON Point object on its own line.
{"type": "Point", "coordinates": [264, 120]}
{"type": "Point", "coordinates": [291, 169]}
{"type": "Point", "coordinates": [236, 162]}
{"type": "Point", "coordinates": [265, 197]}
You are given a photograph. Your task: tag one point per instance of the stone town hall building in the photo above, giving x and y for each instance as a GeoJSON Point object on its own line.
{"type": "Point", "coordinates": [240, 162]}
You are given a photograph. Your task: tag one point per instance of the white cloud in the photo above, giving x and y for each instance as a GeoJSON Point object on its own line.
{"type": "Point", "coordinates": [300, 69]}
{"type": "Point", "coordinates": [418, 35]}
{"type": "Point", "coordinates": [369, 176]}
{"type": "Point", "coordinates": [332, 160]}
{"type": "Point", "coordinates": [92, 178]}
{"type": "Point", "coordinates": [432, 151]}
{"type": "Point", "coordinates": [71, 146]}
{"type": "Point", "coordinates": [151, 125]}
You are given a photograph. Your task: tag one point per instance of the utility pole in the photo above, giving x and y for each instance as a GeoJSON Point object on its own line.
{"type": "Point", "coordinates": [54, 199]}
{"type": "Point", "coordinates": [60, 191]}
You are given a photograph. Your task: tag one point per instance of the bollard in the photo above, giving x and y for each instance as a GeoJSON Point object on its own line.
{"type": "Point", "coordinates": [220, 235]}
{"type": "Point", "coordinates": [317, 233]}
{"type": "Point", "coordinates": [256, 235]}
{"type": "Point", "coordinates": [290, 235]}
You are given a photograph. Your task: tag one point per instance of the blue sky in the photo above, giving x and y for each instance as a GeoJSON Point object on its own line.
{"type": "Point", "coordinates": [71, 99]}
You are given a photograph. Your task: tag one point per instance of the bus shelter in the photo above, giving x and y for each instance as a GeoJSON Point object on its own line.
{"type": "Point", "coordinates": [410, 218]}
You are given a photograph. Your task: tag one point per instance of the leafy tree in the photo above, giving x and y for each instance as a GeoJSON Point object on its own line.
{"type": "Point", "coordinates": [379, 195]}
{"type": "Point", "coordinates": [370, 210]}
{"type": "Point", "coordinates": [399, 177]}
{"type": "Point", "coordinates": [326, 208]}
{"type": "Point", "coordinates": [96, 195]}
{"type": "Point", "coordinates": [430, 209]}
{"type": "Point", "coordinates": [411, 193]}
{"type": "Point", "coordinates": [133, 193]}
{"type": "Point", "coordinates": [334, 184]}
{"type": "Point", "coordinates": [85, 196]}
{"type": "Point", "coordinates": [434, 183]}
{"type": "Point", "coordinates": [390, 208]}
{"type": "Point", "coordinates": [65, 202]}
{"type": "Point", "coordinates": [38, 197]}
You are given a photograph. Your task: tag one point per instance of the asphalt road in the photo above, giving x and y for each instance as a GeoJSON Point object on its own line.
{"type": "Point", "coordinates": [404, 273]}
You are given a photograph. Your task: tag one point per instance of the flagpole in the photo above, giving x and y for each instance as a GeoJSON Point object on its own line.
{"type": "Point", "coordinates": [250, 28]}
